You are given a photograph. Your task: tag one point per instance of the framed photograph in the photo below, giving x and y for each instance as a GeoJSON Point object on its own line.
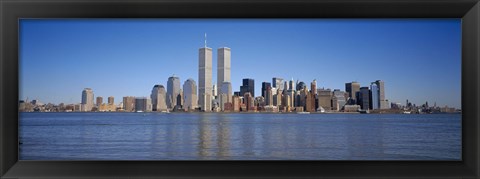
{"type": "Point", "coordinates": [240, 89]}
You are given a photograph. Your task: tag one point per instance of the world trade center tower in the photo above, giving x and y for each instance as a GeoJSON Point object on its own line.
{"type": "Point", "coordinates": [205, 77]}
{"type": "Point", "coordinates": [223, 66]}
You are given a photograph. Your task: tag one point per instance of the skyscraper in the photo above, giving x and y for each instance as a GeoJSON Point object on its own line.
{"type": "Point", "coordinates": [128, 103]}
{"type": "Point", "coordinates": [87, 100]}
{"type": "Point", "coordinates": [291, 85]}
{"type": "Point", "coordinates": [277, 83]}
{"type": "Point", "coordinates": [111, 100]}
{"type": "Point", "coordinates": [173, 89]}
{"type": "Point", "coordinates": [374, 96]}
{"type": "Point", "coordinates": [205, 77]}
{"type": "Point", "coordinates": [381, 95]}
{"type": "Point", "coordinates": [99, 101]}
{"type": "Point", "coordinates": [277, 98]}
{"type": "Point", "coordinates": [325, 99]}
{"type": "Point", "coordinates": [313, 87]}
{"type": "Point", "coordinates": [227, 89]}
{"type": "Point", "coordinates": [143, 104]}
{"type": "Point", "coordinates": [364, 98]}
{"type": "Point", "coordinates": [265, 85]}
{"type": "Point", "coordinates": [248, 100]}
{"type": "Point", "coordinates": [338, 100]}
{"type": "Point", "coordinates": [352, 89]}
{"type": "Point", "coordinates": [190, 95]}
{"type": "Point", "coordinates": [268, 96]}
{"type": "Point", "coordinates": [248, 85]}
{"type": "Point", "coordinates": [223, 66]}
{"type": "Point", "coordinates": [158, 98]}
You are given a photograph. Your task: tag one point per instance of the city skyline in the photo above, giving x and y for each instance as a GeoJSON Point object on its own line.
{"type": "Point", "coordinates": [258, 67]}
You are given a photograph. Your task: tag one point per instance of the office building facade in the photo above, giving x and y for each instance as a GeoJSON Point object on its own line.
{"type": "Point", "coordinates": [99, 101]}
{"type": "Point", "coordinates": [111, 100]}
{"type": "Point", "coordinates": [352, 89]}
{"type": "Point", "coordinates": [374, 96]}
{"type": "Point", "coordinates": [87, 100]}
{"type": "Point", "coordinates": [205, 78]}
{"type": "Point", "coordinates": [129, 103]}
{"type": "Point", "coordinates": [173, 89]}
{"type": "Point", "coordinates": [223, 66]}
{"type": "Point", "coordinates": [364, 98]}
{"type": "Point", "coordinates": [277, 83]}
{"type": "Point", "coordinates": [248, 85]}
{"type": "Point", "coordinates": [190, 95]}
{"type": "Point", "coordinates": [143, 104]}
{"type": "Point", "coordinates": [384, 104]}
{"type": "Point", "coordinates": [265, 85]}
{"type": "Point", "coordinates": [158, 98]}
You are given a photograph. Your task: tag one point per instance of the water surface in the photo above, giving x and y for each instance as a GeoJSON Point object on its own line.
{"type": "Point", "coordinates": [216, 136]}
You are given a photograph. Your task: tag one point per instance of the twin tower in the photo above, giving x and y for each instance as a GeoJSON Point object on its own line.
{"type": "Point", "coordinates": [205, 88]}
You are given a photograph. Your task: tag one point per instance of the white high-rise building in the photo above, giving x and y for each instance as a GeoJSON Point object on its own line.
{"type": "Point", "coordinates": [190, 95]}
{"type": "Point", "coordinates": [277, 83]}
{"type": "Point", "coordinates": [384, 104]}
{"type": "Point", "coordinates": [87, 100]}
{"type": "Point", "coordinates": [205, 77]}
{"type": "Point", "coordinates": [223, 66]}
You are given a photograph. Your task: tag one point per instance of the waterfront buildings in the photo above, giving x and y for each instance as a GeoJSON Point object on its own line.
{"type": "Point", "coordinates": [248, 101]}
{"type": "Point", "coordinates": [236, 101]}
{"type": "Point", "coordinates": [338, 100]}
{"type": "Point", "coordinates": [325, 99]}
{"type": "Point", "coordinates": [87, 100]}
{"type": "Point", "coordinates": [223, 66]}
{"type": "Point", "coordinates": [143, 104]}
{"type": "Point", "coordinates": [364, 98]}
{"type": "Point", "coordinates": [225, 94]}
{"type": "Point", "coordinates": [190, 95]}
{"type": "Point", "coordinates": [111, 100]}
{"type": "Point", "coordinates": [248, 85]}
{"type": "Point", "coordinates": [107, 108]}
{"type": "Point", "coordinates": [374, 96]}
{"type": "Point", "coordinates": [173, 90]}
{"type": "Point", "coordinates": [310, 101]}
{"type": "Point", "coordinates": [205, 78]}
{"type": "Point", "coordinates": [129, 103]}
{"type": "Point", "coordinates": [384, 104]}
{"type": "Point", "coordinates": [352, 89]}
{"type": "Point", "coordinates": [158, 98]}
{"type": "Point", "coordinates": [99, 101]}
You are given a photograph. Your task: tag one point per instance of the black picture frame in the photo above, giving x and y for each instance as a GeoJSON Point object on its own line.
{"type": "Point", "coordinates": [12, 10]}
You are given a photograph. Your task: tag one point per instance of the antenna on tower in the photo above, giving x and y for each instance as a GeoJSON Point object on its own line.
{"type": "Point", "coordinates": [205, 40]}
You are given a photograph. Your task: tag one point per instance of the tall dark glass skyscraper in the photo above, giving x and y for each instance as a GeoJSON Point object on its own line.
{"type": "Point", "coordinates": [265, 86]}
{"type": "Point", "coordinates": [248, 85]}
{"type": "Point", "coordinates": [364, 98]}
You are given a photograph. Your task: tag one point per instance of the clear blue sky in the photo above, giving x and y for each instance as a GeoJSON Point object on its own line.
{"type": "Point", "coordinates": [419, 59]}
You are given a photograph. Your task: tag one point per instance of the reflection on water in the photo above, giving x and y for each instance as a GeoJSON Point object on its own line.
{"type": "Point", "coordinates": [210, 136]}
